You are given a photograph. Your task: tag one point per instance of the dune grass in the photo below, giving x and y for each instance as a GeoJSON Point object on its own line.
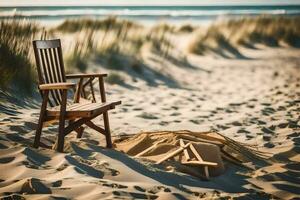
{"type": "Point", "coordinates": [122, 49]}
{"type": "Point", "coordinates": [120, 44]}
{"type": "Point", "coordinates": [15, 49]}
{"type": "Point", "coordinates": [115, 78]}
{"type": "Point", "coordinates": [215, 41]}
{"type": "Point", "coordinates": [75, 25]}
{"type": "Point", "coordinates": [117, 43]}
{"type": "Point", "coordinates": [77, 59]}
{"type": "Point", "coordinates": [226, 37]}
{"type": "Point", "coordinates": [186, 28]}
{"type": "Point", "coordinates": [271, 31]}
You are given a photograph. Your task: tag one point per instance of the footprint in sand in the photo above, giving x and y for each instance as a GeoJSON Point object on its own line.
{"type": "Point", "coordinates": [137, 109]}
{"type": "Point", "coordinates": [267, 137]}
{"type": "Point", "coordinates": [30, 125]}
{"type": "Point", "coordinates": [293, 167]}
{"type": "Point", "coordinates": [269, 145]}
{"type": "Point", "coordinates": [289, 188]}
{"type": "Point", "coordinates": [34, 186]}
{"type": "Point", "coordinates": [124, 109]}
{"type": "Point", "coordinates": [13, 196]}
{"type": "Point", "coordinates": [222, 127]}
{"type": "Point", "coordinates": [174, 107]}
{"type": "Point", "coordinates": [236, 123]}
{"type": "Point", "coordinates": [157, 189]}
{"type": "Point", "coordinates": [57, 183]}
{"type": "Point", "coordinates": [251, 106]}
{"type": "Point", "coordinates": [260, 122]}
{"type": "Point", "coordinates": [283, 125]}
{"type": "Point", "coordinates": [134, 195]}
{"type": "Point", "coordinates": [18, 129]}
{"type": "Point", "coordinates": [249, 137]}
{"type": "Point", "coordinates": [139, 188]}
{"type": "Point", "coordinates": [6, 160]}
{"type": "Point", "coordinates": [62, 167]}
{"type": "Point", "coordinates": [267, 130]}
{"type": "Point", "coordinates": [175, 114]}
{"type": "Point", "coordinates": [30, 165]}
{"type": "Point", "coordinates": [243, 131]}
{"type": "Point", "coordinates": [163, 123]}
{"type": "Point", "coordinates": [128, 105]}
{"type": "Point", "coordinates": [294, 135]}
{"type": "Point", "coordinates": [147, 116]}
{"type": "Point", "coordinates": [92, 167]}
{"type": "Point", "coordinates": [114, 185]}
{"type": "Point", "coordinates": [84, 168]}
{"type": "Point", "coordinates": [19, 139]}
{"type": "Point", "coordinates": [6, 120]}
{"type": "Point", "coordinates": [268, 111]}
{"type": "Point", "coordinates": [293, 124]}
{"type": "Point", "coordinates": [196, 121]}
{"type": "Point", "coordinates": [105, 166]}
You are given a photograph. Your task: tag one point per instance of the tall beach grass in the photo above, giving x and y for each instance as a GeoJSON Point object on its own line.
{"type": "Point", "coordinates": [16, 67]}
{"type": "Point", "coordinates": [119, 45]}
{"type": "Point", "coordinates": [226, 37]}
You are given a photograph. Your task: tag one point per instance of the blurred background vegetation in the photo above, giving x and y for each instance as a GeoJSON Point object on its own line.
{"type": "Point", "coordinates": [119, 45]}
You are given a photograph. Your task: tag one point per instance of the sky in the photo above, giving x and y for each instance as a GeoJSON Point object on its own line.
{"type": "Point", "coordinates": [143, 2]}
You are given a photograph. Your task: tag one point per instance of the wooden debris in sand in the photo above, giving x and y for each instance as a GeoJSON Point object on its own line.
{"type": "Point", "coordinates": [174, 153]}
{"type": "Point", "coordinates": [183, 148]}
{"type": "Point", "coordinates": [150, 148]}
{"type": "Point", "coordinates": [195, 149]}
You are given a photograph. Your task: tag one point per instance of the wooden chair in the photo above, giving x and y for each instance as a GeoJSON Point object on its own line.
{"type": "Point", "coordinates": [53, 88]}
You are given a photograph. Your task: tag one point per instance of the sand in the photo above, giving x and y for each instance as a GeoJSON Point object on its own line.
{"type": "Point", "coordinates": [254, 100]}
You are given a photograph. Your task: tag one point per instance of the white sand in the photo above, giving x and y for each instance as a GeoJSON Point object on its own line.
{"type": "Point", "coordinates": [253, 100]}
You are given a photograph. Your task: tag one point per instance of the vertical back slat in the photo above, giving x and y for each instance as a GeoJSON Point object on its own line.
{"type": "Point", "coordinates": [38, 62]}
{"type": "Point", "coordinates": [50, 67]}
{"type": "Point", "coordinates": [49, 76]}
{"type": "Point", "coordinates": [55, 73]}
{"type": "Point", "coordinates": [61, 63]}
{"type": "Point", "coordinates": [60, 78]}
{"type": "Point", "coordinates": [57, 64]}
{"type": "Point", "coordinates": [44, 74]}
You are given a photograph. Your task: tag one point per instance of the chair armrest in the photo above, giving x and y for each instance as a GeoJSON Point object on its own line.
{"type": "Point", "coordinates": [89, 75]}
{"type": "Point", "coordinates": [56, 86]}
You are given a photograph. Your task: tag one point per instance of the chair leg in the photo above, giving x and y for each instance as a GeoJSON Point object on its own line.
{"type": "Point", "coordinates": [61, 129]}
{"type": "Point", "coordinates": [38, 133]}
{"type": "Point", "coordinates": [107, 130]}
{"type": "Point", "coordinates": [61, 136]}
{"type": "Point", "coordinates": [79, 132]}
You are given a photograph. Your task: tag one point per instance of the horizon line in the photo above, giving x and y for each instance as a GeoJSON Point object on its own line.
{"type": "Point", "coordinates": [154, 5]}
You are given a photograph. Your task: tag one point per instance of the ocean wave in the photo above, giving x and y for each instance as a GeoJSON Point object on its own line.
{"type": "Point", "coordinates": [137, 13]}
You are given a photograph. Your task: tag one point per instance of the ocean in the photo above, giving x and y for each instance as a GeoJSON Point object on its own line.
{"type": "Point", "coordinates": [145, 14]}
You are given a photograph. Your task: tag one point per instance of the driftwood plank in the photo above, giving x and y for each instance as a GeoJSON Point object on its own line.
{"type": "Point", "coordinates": [185, 151]}
{"type": "Point", "coordinates": [174, 153]}
{"type": "Point", "coordinates": [149, 148]}
{"type": "Point", "coordinates": [200, 159]}
{"type": "Point", "coordinates": [196, 162]}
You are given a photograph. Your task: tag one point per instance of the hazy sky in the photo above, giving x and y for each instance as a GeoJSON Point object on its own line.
{"type": "Point", "coordinates": [143, 2]}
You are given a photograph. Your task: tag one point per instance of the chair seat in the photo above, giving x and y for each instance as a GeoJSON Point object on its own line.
{"type": "Point", "coordinates": [85, 109]}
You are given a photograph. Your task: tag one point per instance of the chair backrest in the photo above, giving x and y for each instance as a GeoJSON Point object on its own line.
{"type": "Point", "coordinates": [50, 66]}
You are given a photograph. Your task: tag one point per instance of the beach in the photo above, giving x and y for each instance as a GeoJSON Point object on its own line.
{"type": "Point", "coordinates": [250, 94]}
